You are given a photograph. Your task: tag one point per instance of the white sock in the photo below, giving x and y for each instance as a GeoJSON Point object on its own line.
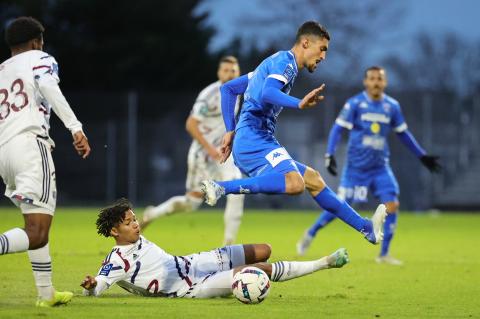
{"type": "Point", "coordinates": [286, 270]}
{"type": "Point", "coordinates": [174, 205]}
{"type": "Point", "coordinates": [42, 271]}
{"type": "Point", "coordinates": [233, 217]}
{"type": "Point", "coordinates": [13, 241]}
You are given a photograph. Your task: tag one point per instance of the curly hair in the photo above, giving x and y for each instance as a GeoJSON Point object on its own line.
{"type": "Point", "coordinates": [22, 30]}
{"type": "Point", "coordinates": [111, 216]}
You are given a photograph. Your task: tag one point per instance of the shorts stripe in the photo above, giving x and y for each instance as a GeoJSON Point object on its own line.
{"type": "Point", "coordinates": [4, 244]}
{"type": "Point", "coordinates": [45, 152]}
{"type": "Point", "coordinates": [46, 173]}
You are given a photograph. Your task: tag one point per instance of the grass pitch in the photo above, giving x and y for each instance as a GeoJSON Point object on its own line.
{"type": "Point", "coordinates": [440, 278]}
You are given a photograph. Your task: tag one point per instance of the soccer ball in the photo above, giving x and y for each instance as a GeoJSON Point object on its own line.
{"type": "Point", "coordinates": [251, 285]}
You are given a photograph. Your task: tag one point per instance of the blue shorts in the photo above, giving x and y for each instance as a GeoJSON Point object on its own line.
{"type": "Point", "coordinates": [257, 152]}
{"type": "Point", "coordinates": [355, 184]}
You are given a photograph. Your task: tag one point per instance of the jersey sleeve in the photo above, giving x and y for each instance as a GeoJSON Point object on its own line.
{"type": "Point", "coordinates": [398, 122]}
{"type": "Point", "coordinates": [45, 72]}
{"type": "Point", "coordinates": [45, 66]}
{"type": "Point", "coordinates": [110, 273]}
{"type": "Point", "coordinates": [346, 116]}
{"type": "Point", "coordinates": [282, 70]}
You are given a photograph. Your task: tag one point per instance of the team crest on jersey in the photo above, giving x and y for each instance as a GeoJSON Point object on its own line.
{"type": "Point", "coordinates": [387, 107]}
{"type": "Point", "coordinates": [375, 128]}
{"type": "Point", "coordinates": [106, 269]}
{"type": "Point", "coordinates": [363, 105]}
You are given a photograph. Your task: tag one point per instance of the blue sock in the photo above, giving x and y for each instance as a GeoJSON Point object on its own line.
{"type": "Point", "coordinates": [266, 184]}
{"type": "Point", "coordinates": [328, 200]}
{"type": "Point", "coordinates": [323, 220]}
{"type": "Point", "coordinates": [388, 230]}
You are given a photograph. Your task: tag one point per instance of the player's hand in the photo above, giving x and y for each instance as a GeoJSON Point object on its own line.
{"type": "Point", "coordinates": [80, 143]}
{"type": "Point", "coordinates": [312, 98]}
{"type": "Point", "coordinates": [89, 282]}
{"type": "Point", "coordinates": [331, 164]}
{"type": "Point", "coordinates": [214, 154]}
{"type": "Point", "coordinates": [431, 162]}
{"type": "Point", "coordinates": [226, 148]}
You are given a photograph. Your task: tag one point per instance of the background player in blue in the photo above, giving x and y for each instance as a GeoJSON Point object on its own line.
{"type": "Point", "coordinates": [369, 116]}
{"type": "Point", "coordinates": [258, 154]}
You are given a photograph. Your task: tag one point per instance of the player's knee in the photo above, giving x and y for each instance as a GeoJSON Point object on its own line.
{"type": "Point", "coordinates": [392, 207]}
{"type": "Point", "coordinates": [315, 182]}
{"type": "Point", "coordinates": [295, 184]}
{"type": "Point", "coordinates": [263, 252]}
{"type": "Point", "coordinates": [37, 239]}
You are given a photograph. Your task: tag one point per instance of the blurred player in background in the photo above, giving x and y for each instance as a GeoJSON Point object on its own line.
{"type": "Point", "coordinates": [141, 267]}
{"type": "Point", "coordinates": [256, 151]}
{"type": "Point", "coordinates": [205, 125]}
{"type": "Point", "coordinates": [370, 116]}
{"type": "Point", "coordinates": [29, 92]}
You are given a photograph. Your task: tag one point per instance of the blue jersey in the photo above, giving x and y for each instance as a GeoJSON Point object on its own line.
{"type": "Point", "coordinates": [281, 66]}
{"type": "Point", "coordinates": [369, 123]}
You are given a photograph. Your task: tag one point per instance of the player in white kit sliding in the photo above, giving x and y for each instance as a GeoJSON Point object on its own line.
{"type": "Point", "coordinates": [141, 267]}
{"type": "Point", "coordinates": [29, 92]}
{"type": "Point", "coordinates": [205, 125]}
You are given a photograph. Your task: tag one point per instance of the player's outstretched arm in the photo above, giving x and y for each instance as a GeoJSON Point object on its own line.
{"type": "Point", "coordinates": [226, 148]}
{"type": "Point", "coordinates": [333, 140]}
{"type": "Point", "coordinates": [429, 161]}
{"type": "Point", "coordinates": [48, 86]}
{"type": "Point", "coordinates": [312, 98]}
{"type": "Point", "coordinates": [229, 92]}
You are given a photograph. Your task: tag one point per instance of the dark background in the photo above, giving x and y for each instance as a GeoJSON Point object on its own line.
{"type": "Point", "coordinates": [131, 72]}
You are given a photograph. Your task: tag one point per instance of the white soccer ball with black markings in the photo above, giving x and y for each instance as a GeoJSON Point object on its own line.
{"type": "Point", "coordinates": [251, 285]}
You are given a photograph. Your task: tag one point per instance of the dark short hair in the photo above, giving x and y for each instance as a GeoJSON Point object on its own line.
{"type": "Point", "coordinates": [112, 215]}
{"type": "Point", "coordinates": [312, 28]}
{"type": "Point", "coordinates": [373, 68]}
{"type": "Point", "coordinates": [23, 29]}
{"type": "Point", "coordinates": [229, 59]}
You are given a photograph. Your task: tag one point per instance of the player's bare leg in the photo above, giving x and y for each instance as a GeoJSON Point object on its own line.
{"type": "Point", "coordinates": [37, 227]}
{"type": "Point", "coordinates": [373, 230]}
{"type": "Point", "coordinates": [177, 204]}
{"type": "Point", "coordinates": [286, 270]}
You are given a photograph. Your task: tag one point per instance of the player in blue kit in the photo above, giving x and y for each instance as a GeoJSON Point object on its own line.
{"type": "Point", "coordinates": [370, 116]}
{"type": "Point", "coordinates": [258, 154]}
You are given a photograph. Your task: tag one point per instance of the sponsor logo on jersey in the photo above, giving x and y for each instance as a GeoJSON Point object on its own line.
{"type": "Point", "coordinates": [375, 117]}
{"type": "Point", "coordinates": [376, 142]}
{"type": "Point", "coordinates": [106, 269]}
{"type": "Point", "coordinates": [277, 156]}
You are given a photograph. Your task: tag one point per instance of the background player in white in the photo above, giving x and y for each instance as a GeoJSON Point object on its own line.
{"type": "Point", "coordinates": [141, 267]}
{"type": "Point", "coordinates": [205, 125]}
{"type": "Point", "coordinates": [29, 91]}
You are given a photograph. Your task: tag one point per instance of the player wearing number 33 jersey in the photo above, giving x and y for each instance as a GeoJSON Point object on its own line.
{"type": "Point", "coordinates": [29, 93]}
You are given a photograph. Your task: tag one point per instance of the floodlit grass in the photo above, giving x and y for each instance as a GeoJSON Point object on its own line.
{"type": "Point", "coordinates": [440, 278]}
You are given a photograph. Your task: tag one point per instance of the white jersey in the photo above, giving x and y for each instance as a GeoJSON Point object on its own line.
{"type": "Point", "coordinates": [145, 269]}
{"type": "Point", "coordinates": [208, 111]}
{"type": "Point", "coordinates": [28, 93]}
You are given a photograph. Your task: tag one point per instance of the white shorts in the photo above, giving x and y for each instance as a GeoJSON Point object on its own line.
{"type": "Point", "coordinates": [212, 271]}
{"type": "Point", "coordinates": [27, 169]}
{"type": "Point", "coordinates": [202, 167]}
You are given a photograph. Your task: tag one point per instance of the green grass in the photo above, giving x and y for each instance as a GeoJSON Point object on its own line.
{"type": "Point", "coordinates": [440, 278]}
